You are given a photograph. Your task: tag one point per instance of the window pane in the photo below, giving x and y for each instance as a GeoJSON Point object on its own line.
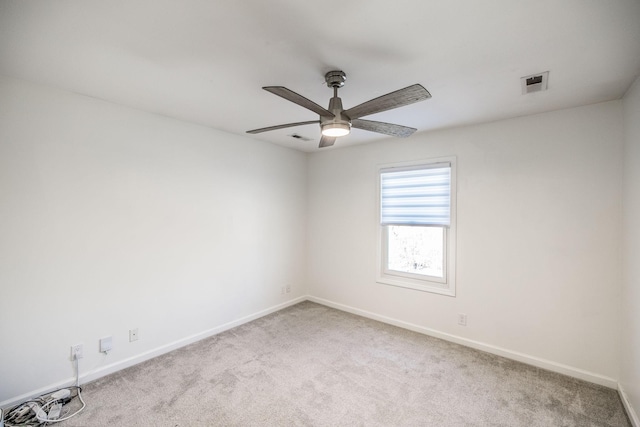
{"type": "Point", "coordinates": [416, 250]}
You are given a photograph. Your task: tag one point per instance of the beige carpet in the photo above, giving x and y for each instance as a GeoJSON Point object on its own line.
{"type": "Point", "coordinates": [310, 365]}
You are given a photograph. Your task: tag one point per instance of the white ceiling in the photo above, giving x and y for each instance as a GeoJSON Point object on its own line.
{"type": "Point", "coordinates": [205, 61]}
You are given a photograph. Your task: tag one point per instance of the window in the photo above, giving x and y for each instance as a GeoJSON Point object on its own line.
{"type": "Point", "coordinates": [417, 225]}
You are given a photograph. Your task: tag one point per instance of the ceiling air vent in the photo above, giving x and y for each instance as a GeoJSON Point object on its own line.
{"type": "Point", "coordinates": [300, 137]}
{"type": "Point", "coordinates": [534, 82]}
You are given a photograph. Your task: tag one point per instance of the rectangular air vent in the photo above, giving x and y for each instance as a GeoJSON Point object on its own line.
{"type": "Point", "coordinates": [534, 82]}
{"type": "Point", "coordinates": [300, 137]}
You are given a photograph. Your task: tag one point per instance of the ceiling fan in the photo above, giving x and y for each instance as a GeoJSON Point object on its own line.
{"type": "Point", "coordinates": [335, 121]}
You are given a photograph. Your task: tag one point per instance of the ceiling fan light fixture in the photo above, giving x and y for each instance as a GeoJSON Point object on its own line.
{"type": "Point", "coordinates": [336, 129]}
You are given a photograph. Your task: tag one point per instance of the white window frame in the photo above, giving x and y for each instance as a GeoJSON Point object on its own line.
{"type": "Point", "coordinates": [443, 286]}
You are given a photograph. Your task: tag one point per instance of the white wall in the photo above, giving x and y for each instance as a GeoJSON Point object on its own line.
{"type": "Point", "coordinates": [539, 229]}
{"type": "Point", "coordinates": [630, 352]}
{"type": "Point", "coordinates": [113, 218]}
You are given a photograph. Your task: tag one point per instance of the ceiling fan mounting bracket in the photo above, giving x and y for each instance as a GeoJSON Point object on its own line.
{"type": "Point", "coordinates": [335, 78]}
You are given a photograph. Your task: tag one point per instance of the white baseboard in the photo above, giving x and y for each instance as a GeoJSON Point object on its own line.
{"type": "Point", "coordinates": [631, 413]}
{"type": "Point", "coordinates": [142, 357]}
{"type": "Point", "coordinates": [514, 355]}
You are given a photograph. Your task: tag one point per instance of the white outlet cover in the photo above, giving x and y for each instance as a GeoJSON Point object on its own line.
{"type": "Point", "coordinates": [462, 319]}
{"type": "Point", "coordinates": [106, 344]}
{"type": "Point", "coordinates": [76, 350]}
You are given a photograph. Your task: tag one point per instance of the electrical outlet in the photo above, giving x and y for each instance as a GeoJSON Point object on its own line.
{"type": "Point", "coordinates": [288, 289]}
{"type": "Point", "coordinates": [462, 319]}
{"type": "Point", "coordinates": [106, 344]}
{"type": "Point", "coordinates": [76, 352]}
{"type": "Point", "coordinates": [133, 335]}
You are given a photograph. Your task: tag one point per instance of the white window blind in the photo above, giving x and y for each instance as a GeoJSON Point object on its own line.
{"type": "Point", "coordinates": [416, 196]}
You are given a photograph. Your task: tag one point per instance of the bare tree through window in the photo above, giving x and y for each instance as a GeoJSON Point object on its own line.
{"type": "Point", "coordinates": [417, 250]}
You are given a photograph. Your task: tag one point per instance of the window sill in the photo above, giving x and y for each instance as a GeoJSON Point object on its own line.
{"type": "Point", "coordinates": [418, 285]}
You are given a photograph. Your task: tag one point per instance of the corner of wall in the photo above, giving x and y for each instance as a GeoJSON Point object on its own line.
{"type": "Point", "coordinates": [629, 378]}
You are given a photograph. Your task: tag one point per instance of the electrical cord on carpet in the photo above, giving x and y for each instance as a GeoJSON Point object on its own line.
{"type": "Point", "coordinates": [46, 409]}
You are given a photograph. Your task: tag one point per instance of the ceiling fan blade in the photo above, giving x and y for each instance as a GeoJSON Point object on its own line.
{"type": "Point", "coordinates": [290, 95]}
{"type": "Point", "coordinates": [327, 141]}
{"type": "Point", "coordinates": [399, 98]}
{"type": "Point", "coordinates": [288, 125]}
{"type": "Point", "coordinates": [382, 127]}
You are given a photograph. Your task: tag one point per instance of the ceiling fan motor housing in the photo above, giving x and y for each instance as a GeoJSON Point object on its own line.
{"type": "Point", "coordinates": [339, 124]}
